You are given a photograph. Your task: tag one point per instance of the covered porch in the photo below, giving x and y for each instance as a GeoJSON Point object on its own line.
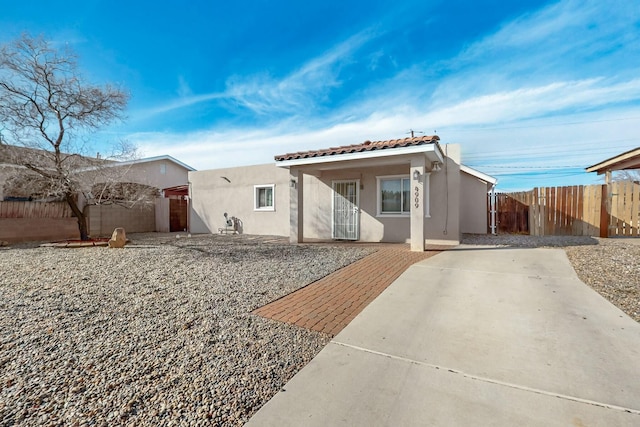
{"type": "Point", "coordinates": [386, 191]}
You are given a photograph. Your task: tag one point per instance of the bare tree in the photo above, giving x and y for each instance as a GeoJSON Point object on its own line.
{"type": "Point", "coordinates": [632, 175]}
{"type": "Point", "coordinates": [47, 110]}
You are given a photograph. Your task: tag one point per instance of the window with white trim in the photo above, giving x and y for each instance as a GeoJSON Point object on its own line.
{"type": "Point", "coordinates": [394, 195]}
{"type": "Point", "coordinates": [264, 197]}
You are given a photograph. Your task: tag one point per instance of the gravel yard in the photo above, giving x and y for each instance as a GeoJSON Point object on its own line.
{"type": "Point", "coordinates": [160, 333]}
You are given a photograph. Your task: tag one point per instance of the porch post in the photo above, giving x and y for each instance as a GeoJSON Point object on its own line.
{"type": "Point", "coordinates": [416, 177]}
{"type": "Point", "coordinates": [296, 208]}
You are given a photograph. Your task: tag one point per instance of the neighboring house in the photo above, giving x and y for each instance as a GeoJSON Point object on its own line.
{"type": "Point", "coordinates": [406, 190]}
{"type": "Point", "coordinates": [164, 176]}
{"type": "Point", "coordinates": [159, 171]}
{"type": "Point", "coordinates": [170, 211]}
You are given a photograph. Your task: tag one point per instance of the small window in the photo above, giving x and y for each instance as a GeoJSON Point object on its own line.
{"type": "Point", "coordinates": [264, 199]}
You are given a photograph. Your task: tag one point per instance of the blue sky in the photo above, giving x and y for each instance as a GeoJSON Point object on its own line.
{"type": "Point", "coordinates": [533, 91]}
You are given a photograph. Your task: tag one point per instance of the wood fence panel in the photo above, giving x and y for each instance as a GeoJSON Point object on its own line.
{"type": "Point", "coordinates": [35, 210]}
{"type": "Point", "coordinates": [624, 209]}
{"type": "Point", "coordinates": [553, 209]}
{"type": "Point", "coordinates": [628, 209]}
{"type": "Point", "coordinates": [635, 208]}
{"type": "Point", "coordinates": [612, 209]}
{"type": "Point", "coordinates": [572, 210]}
{"type": "Point", "coordinates": [591, 201]}
{"type": "Point", "coordinates": [535, 220]}
{"type": "Point", "coordinates": [593, 210]}
{"type": "Point", "coordinates": [512, 212]}
{"type": "Point", "coordinates": [578, 225]}
{"type": "Point", "coordinates": [562, 204]}
{"type": "Point", "coordinates": [615, 224]}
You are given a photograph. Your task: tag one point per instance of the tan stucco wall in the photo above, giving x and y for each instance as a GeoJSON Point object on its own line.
{"type": "Point", "coordinates": [103, 219]}
{"type": "Point", "coordinates": [444, 223]}
{"type": "Point", "coordinates": [473, 204]}
{"type": "Point", "coordinates": [158, 173]}
{"type": "Point", "coordinates": [317, 205]}
{"type": "Point", "coordinates": [212, 196]}
{"type": "Point", "coordinates": [444, 190]}
{"type": "Point", "coordinates": [162, 215]}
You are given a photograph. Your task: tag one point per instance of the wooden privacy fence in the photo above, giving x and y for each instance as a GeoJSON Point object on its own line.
{"type": "Point", "coordinates": [35, 210]}
{"type": "Point", "coordinates": [591, 210]}
{"type": "Point", "coordinates": [574, 211]}
{"type": "Point", "coordinates": [624, 209]}
{"type": "Point", "coordinates": [512, 212]}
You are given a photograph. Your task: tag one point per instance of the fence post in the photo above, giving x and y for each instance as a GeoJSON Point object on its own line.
{"type": "Point", "coordinates": [604, 212]}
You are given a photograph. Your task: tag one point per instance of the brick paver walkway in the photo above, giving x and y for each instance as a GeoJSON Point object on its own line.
{"type": "Point", "coordinates": [329, 304]}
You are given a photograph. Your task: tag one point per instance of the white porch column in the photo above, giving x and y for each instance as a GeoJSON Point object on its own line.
{"type": "Point", "coordinates": [296, 208]}
{"type": "Point", "coordinates": [417, 202]}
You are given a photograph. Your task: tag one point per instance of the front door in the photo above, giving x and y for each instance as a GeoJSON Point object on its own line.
{"type": "Point", "coordinates": [345, 218]}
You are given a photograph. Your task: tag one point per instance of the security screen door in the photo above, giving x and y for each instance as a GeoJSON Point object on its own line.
{"type": "Point", "coordinates": [346, 219]}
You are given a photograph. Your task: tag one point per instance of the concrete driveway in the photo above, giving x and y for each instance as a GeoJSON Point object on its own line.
{"type": "Point", "coordinates": [474, 336]}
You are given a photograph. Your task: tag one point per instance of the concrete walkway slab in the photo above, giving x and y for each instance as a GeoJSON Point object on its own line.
{"type": "Point", "coordinates": [474, 336]}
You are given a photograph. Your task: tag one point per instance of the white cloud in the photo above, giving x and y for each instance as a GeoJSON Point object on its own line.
{"type": "Point", "coordinates": [184, 90]}
{"type": "Point", "coordinates": [265, 94]}
{"type": "Point", "coordinates": [529, 95]}
{"type": "Point", "coordinates": [301, 89]}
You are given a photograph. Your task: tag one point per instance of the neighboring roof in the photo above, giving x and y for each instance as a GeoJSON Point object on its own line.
{"type": "Point", "coordinates": [359, 148]}
{"type": "Point", "coordinates": [627, 160]}
{"type": "Point", "coordinates": [480, 175]}
{"type": "Point", "coordinates": [178, 190]}
{"type": "Point", "coordinates": [154, 159]}
{"type": "Point", "coordinates": [14, 155]}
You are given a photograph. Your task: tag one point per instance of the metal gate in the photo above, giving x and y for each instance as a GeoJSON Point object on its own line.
{"type": "Point", "coordinates": [345, 218]}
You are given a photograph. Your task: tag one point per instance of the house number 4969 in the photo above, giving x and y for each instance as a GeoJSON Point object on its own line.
{"type": "Point", "coordinates": [417, 194]}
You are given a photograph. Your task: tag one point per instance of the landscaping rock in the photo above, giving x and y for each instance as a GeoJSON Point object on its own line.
{"type": "Point", "coordinates": [118, 238]}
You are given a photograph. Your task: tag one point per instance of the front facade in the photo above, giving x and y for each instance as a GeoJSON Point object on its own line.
{"type": "Point", "coordinates": [406, 190]}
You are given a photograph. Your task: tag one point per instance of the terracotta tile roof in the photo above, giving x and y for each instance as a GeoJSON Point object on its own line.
{"type": "Point", "coordinates": [358, 148]}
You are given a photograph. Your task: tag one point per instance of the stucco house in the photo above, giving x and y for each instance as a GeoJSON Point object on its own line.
{"type": "Point", "coordinates": [169, 211]}
{"type": "Point", "coordinates": [411, 190]}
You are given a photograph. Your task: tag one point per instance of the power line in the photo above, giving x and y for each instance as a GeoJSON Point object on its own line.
{"type": "Point", "coordinates": [538, 125]}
